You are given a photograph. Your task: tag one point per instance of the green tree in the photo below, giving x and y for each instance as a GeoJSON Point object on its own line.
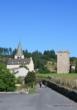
{"type": "Point", "coordinates": [38, 60]}
{"type": "Point", "coordinates": [7, 80]}
{"type": "Point", "coordinates": [76, 67]}
{"type": "Point", "coordinates": [49, 55]}
{"type": "Point", "coordinates": [30, 79]}
{"type": "Point", "coordinates": [27, 54]}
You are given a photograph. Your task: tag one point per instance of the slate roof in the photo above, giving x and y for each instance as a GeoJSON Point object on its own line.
{"type": "Point", "coordinates": [18, 61]}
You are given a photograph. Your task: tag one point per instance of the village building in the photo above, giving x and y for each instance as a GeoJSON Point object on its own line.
{"type": "Point", "coordinates": [63, 62]}
{"type": "Point", "coordinates": [19, 65]}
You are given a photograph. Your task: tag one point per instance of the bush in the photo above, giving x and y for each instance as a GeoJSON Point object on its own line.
{"type": "Point", "coordinates": [43, 70]}
{"type": "Point", "coordinates": [30, 79]}
{"type": "Point", "coordinates": [7, 80]}
{"type": "Point", "coordinates": [19, 80]}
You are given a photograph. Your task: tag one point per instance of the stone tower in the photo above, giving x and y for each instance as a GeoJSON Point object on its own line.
{"type": "Point", "coordinates": [63, 62]}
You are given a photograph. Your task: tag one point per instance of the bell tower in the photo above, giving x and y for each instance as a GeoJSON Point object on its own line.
{"type": "Point", "coordinates": [19, 54]}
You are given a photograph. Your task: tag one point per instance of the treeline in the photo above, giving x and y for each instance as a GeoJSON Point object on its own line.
{"type": "Point", "coordinates": [40, 58]}
{"type": "Point", "coordinates": [5, 51]}
{"type": "Point", "coordinates": [73, 62]}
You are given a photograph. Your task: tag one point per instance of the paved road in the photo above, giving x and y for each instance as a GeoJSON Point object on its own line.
{"type": "Point", "coordinates": [44, 99]}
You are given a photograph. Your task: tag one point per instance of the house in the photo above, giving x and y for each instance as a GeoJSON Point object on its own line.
{"type": "Point", "coordinates": [19, 65]}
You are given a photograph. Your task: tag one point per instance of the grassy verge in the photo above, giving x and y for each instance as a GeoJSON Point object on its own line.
{"type": "Point", "coordinates": [66, 80]}
{"type": "Point", "coordinates": [32, 90]}
{"type": "Point", "coordinates": [26, 89]}
{"type": "Point", "coordinates": [71, 76]}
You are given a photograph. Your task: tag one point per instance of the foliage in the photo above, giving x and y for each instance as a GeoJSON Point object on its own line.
{"type": "Point", "coordinates": [73, 60]}
{"type": "Point", "coordinates": [37, 58]}
{"type": "Point", "coordinates": [40, 59]}
{"type": "Point", "coordinates": [13, 52]}
{"type": "Point", "coordinates": [49, 55]}
{"type": "Point", "coordinates": [43, 70]}
{"type": "Point", "coordinates": [21, 66]}
{"type": "Point", "coordinates": [5, 51]}
{"type": "Point", "coordinates": [30, 79]}
{"type": "Point", "coordinates": [19, 80]}
{"type": "Point", "coordinates": [7, 80]}
{"type": "Point", "coordinates": [27, 54]}
{"type": "Point", "coordinates": [66, 80]}
{"type": "Point", "coordinates": [76, 67]}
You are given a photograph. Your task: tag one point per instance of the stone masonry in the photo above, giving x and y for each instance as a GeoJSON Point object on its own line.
{"type": "Point", "coordinates": [63, 62]}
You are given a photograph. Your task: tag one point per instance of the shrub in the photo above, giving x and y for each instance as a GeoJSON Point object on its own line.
{"type": "Point", "coordinates": [30, 79]}
{"type": "Point", "coordinates": [44, 70]}
{"type": "Point", "coordinates": [7, 80]}
{"type": "Point", "coordinates": [19, 80]}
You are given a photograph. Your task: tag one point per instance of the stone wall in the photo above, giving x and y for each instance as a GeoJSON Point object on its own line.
{"type": "Point", "coordinates": [63, 62]}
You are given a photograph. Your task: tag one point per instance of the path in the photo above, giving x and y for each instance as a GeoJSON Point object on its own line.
{"type": "Point", "coordinates": [44, 99]}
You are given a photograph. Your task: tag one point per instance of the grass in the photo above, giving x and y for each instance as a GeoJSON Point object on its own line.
{"type": "Point", "coordinates": [71, 76]}
{"type": "Point", "coordinates": [24, 88]}
{"type": "Point", "coordinates": [67, 80]}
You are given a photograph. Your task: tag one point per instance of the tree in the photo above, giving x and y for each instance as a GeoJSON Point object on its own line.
{"type": "Point", "coordinates": [10, 51]}
{"type": "Point", "coordinates": [30, 79]}
{"type": "Point", "coordinates": [38, 60]}
{"type": "Point", "coordinates": [7, 80]}
{"type": "Point", "coordinates": [27, 54]}
{"type": "Point", "coordinates": [49, 55]}
{"type": "Point", "coordinates": [14, 52]}
{"type": "Point", "coordinates": [76, 67]}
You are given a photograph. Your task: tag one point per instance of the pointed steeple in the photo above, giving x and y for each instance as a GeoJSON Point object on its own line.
{"type": "Point", "coordinates": [19, 53]}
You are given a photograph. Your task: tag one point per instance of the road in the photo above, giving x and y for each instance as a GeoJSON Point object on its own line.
{"type": "Point", "coordinates": [43, 99]}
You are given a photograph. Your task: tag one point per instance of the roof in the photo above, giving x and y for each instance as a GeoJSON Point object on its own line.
{"type": "Point", "coordinates": [63, 52]}
{"type": "Point", "coordinates": [18, 61]}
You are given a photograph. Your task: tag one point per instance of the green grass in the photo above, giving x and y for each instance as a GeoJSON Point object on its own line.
{"type": "Point", "coordinates": [66, 80]}
{"type": "Point", "coordinates": [71, 76]}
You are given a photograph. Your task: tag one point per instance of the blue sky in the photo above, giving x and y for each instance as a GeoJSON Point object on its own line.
{"type": "Point", "coordinates": [39, 24]}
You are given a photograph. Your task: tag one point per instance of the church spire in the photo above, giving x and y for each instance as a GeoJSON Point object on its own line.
{"type": "Point", "coordinates": [19, 53]}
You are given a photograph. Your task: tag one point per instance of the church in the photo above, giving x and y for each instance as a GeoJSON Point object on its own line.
{"type": "Point", "coordinates": [19, 65]}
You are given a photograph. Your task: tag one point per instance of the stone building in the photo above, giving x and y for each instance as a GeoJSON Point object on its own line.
{"type": "Point", "coordinates": [63, 62]}
{"type": "Point", "coordinates": [19, 65]}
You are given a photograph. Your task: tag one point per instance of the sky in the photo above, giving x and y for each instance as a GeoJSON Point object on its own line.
{"type": "Point", "coordinates": [39, 24]}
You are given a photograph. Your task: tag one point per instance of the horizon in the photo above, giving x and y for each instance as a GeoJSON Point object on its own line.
{"type": "Point", "coordinates": [41, 51]}
{"type": "Point", "coordinates": [39, 25]}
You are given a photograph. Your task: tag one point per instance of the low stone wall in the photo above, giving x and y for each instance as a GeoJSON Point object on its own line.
{"type": "Point", "coordinates": [71, 94]}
